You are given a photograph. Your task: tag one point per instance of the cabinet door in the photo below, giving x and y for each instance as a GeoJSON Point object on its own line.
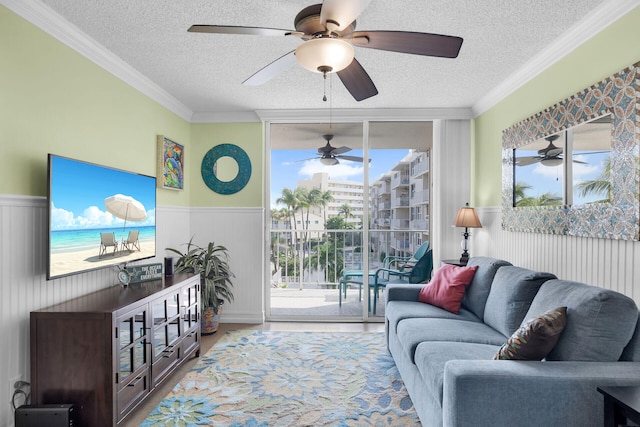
{"type": "Point", "coordinates": [132, 361]}
{"type": "Point", "coordinates": [190, 305]}
{"type": "Point", "coordinates": [166, 335]}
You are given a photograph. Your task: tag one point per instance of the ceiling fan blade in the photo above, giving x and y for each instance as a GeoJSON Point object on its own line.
{"type": "Point", "coordinates": [273, 69]}
{"type": "Point", "coordinates": [357, 81]}
{"type": "Point", "coordinates": [526, 161]}
{"type": "Point", "coordinates": [232, 29]}
{"type": "Point", "coordinates": [553, 152]}
{"type": "Point", "coordinates": [341, 13]}
{"type": "Point", "coordinates": [409, 42]}
{"type": "Point", "coordinates": [352, 158]}
{"type": "Point", "coordinates": [340, 150]}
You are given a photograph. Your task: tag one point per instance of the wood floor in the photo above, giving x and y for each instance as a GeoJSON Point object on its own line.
{"type": "Point", "coordinates": [209, 340]}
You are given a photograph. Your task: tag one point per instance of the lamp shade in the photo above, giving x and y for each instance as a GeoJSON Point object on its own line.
{"type": "Point", "coordinates": [325, 55]}
{"type": "Point", "coordinates": [467, 217]}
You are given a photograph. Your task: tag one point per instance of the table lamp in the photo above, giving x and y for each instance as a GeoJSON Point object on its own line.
{"type": "Point", "coordinates": [467, 217]}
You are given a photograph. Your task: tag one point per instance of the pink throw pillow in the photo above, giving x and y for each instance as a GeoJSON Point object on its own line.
{"type": "Point", "coordinates": [446, 288]}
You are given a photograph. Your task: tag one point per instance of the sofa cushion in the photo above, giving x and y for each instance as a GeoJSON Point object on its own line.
{"type": "Point", "coordinates": [447, 287]}
{"type": "Point", "coordinates": [395, 311]}
{"type": "Point", "coordinates": [600, 322]}
{"type": "Point", "coordinates": [510, 297]}
{"type": "Point", "coordinates": [411, 332]}
{"type": "Point", "coordinates": [477, 292]}
{"type": "Point", "coordinates": [431, 358]}
{"type": "Point", "coordinates": [631, 352]}
{"type": "Point", "coordinates": [535, 338]}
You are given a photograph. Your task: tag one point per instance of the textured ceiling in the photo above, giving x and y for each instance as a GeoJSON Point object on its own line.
{"type": "Point", "coordinates": [204, 71]}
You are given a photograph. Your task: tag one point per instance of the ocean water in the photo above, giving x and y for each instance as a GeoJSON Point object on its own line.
{"type": "Point", "coordinates": [63, 241]}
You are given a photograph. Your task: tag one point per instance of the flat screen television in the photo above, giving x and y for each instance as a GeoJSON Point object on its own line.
{"type": "Point", "coordinates": [98, 216]}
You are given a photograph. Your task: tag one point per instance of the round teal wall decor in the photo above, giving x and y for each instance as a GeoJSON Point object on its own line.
{"type": "Point", "coordinates": [208, 169]}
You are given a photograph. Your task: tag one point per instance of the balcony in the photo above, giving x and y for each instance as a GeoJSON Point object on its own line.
{"type": "Point", "coordinates": [400, 179]}
{"type": "Point", "coordinates": [420, 224]}
{"type": "Point", "coordinates": [420, 168]}
{"type": "Point", "coordinates": [400, 202]}
{"type": "Point", "coordinates": [419, 197]}
{"type": "Point", "coordinates": [402, 224]}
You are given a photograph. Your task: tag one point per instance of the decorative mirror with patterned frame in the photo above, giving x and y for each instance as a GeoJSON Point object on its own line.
{"type": "Point", "coordinates": [618, 218]}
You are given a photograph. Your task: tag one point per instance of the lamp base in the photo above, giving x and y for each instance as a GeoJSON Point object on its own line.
{"type": "Point", "coordinates": [464, 259]}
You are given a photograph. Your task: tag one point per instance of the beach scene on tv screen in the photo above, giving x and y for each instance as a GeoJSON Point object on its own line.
{"type": "Point", "coordinates": [98, 216]}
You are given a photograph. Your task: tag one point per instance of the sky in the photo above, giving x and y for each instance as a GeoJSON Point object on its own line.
{"type": "Point", "coordinates": [549, 178]}
{"type": "Point", "coordinates": [78, 191]}
{"type": "Point", "coordinates": [290, 166]}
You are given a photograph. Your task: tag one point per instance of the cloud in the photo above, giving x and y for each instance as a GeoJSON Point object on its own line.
{"type": "Point", "coordinates": [581, 171]}
{"type": "Point", "coordinates": [548, 171]}
{"type": "Point", "coordinates": [92, 217]}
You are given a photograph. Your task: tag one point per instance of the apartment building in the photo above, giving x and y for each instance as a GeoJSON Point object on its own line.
{"type": "Point", "coordinates": [400, 203]}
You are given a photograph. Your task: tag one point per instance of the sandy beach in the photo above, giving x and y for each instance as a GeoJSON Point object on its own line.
{"type": "Point", "coordinates": [69, 262]}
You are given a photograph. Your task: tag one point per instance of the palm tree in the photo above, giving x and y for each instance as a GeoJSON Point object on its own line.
{"type": "Point", "coordinates": [323, 201]}
{"type": "Point", "coordinates": [546, 199]}
{"type": "Point", "coordinates": [289, 199]}
{"type": "Point", "coordinates": [601, 185]}
{"type": "Point", "coordinates": [302, 196]}
{"type": "Point", "coordinates": [519, 192]}
{"type": "Point", "coordinates": [345, 210]}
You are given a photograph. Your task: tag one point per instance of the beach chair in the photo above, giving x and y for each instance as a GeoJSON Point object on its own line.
{"type": "Point", "coordinates": [107, 240]}
{"type": "Point", "coordinates": [132, 241]}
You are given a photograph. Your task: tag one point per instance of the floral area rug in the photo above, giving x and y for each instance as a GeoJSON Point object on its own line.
{"type": "Point", "coordinates": [264, 378]}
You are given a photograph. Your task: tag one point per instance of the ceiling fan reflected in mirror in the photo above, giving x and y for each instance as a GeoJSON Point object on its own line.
{"type": "Point", "coordinates": [331, 156]}
{"type": "Point", "coordinates": [550, 156]}
{"type": "Point", "coordinates": [328, 34]}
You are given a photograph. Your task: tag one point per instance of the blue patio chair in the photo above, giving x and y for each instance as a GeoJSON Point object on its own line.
{"type": "Point", "coordinates": [420, 272]}
{"type": "Point", "coordinates": [396, 262]}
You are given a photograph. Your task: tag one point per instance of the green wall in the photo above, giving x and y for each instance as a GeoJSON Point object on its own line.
{"type": "Point", "coordinates": [608, 52]}
{"type": "Point", "coordinates": [54, 100]}
{"type": "Point", "coordinates": [249, 137]}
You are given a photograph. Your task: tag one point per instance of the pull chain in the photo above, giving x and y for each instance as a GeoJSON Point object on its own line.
{"type": "Point", "coordinates": [324, 96]}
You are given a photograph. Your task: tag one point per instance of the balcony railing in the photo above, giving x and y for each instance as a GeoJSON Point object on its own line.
{"type": "Point", "coordinates": [321, 256]}
{"type": "Point", "coordinates": [421, 196]}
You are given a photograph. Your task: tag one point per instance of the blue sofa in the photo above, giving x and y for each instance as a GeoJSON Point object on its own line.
{"type": "Point", "coordinates": [446, 360]}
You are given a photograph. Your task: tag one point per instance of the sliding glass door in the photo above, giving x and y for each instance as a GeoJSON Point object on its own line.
{"type": "Point", "coordinates": [342, 200]}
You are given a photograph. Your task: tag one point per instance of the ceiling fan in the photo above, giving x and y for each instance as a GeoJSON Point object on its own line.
{"type": "Point", "coordinates": [330, 155]}
{"type": "Point", "coordinates": [548, 156]}
{"type": "Point", "coordinates": [328, 34]}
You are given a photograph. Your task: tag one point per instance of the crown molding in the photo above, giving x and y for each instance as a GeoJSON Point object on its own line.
{"type": "Point", "coordinates": [379, 114]}
{"type": "Point", "coordinates": [225, 117]}
{"type": "Point", "coordinates": [599, 19]}
{"type": "Point", "coordinates": [61, 29]}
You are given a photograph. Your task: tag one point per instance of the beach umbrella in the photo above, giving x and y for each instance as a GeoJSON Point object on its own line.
{"type": "Point", "coordinates": [126, 208]}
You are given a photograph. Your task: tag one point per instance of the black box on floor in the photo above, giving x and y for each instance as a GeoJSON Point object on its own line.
{"type": "Point", "coordinates": [58, 415]}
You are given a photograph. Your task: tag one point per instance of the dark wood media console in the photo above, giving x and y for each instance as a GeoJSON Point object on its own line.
{"type": "Point", "coordinates": [107, 351]}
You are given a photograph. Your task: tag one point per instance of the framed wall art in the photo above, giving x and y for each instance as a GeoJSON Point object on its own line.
{"type": "Point", "coordinates": [170, 164]}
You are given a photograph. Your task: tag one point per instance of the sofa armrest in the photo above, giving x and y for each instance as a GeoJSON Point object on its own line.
{"type": "Point", "coordinates": [402, 292]}
{"type": "Point", "coordinates": [526, 393]}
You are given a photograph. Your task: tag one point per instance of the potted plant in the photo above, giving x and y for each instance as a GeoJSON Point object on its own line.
{"type": "Point", "coordinates": [212, 263]}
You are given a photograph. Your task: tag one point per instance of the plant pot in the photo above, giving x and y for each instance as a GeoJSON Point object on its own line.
{"type": "Point", "coordinates": [210, 320]}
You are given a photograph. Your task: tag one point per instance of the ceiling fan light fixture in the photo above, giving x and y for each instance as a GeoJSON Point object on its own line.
{"type": "Point", "coordinates": [329, 161]}
{"type": "Point", "coordinates": [325, 55]}
{"type": "Point", "coordinates": [552, 161]}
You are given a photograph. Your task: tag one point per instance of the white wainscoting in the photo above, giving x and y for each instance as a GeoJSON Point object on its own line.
{"type": "Point", "coordinates": [241, 231]}
{"type": "Point", "coordinates": [606, 263]}
{"type": "Point", "coordinates": [24, 288]}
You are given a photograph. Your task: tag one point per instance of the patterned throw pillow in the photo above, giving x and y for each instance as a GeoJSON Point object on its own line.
{"type": "Point", "coordinates": [535, 338]}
